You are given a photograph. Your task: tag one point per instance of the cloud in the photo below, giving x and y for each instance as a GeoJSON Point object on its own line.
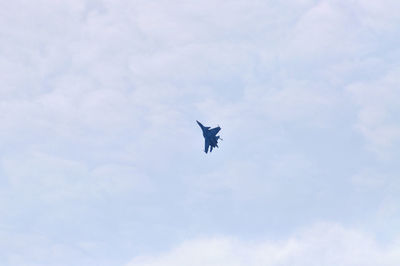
{"type": "Point", "coordinates": [33, 249]}
{"type": "Point", "coordinates": [322, 244]}
{"type": "Point", "coordinates": [42, 177]}
{"type": "Point", "coordinates": [98, 102]}
{"type": "Point", "coordinates": [377, 112]}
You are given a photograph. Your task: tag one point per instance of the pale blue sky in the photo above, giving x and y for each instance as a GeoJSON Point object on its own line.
{"type": "Point", "coordinates": [102, 161]}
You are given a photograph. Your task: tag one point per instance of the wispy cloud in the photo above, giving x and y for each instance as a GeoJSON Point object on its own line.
{"type": "Point", "coordinates": [323, 244]}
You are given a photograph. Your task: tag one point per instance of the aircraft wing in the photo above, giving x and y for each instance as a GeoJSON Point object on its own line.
{"type": "Point", "coordinates": [206, 145]}
{"type": "Point", "coordinates": [215, 130]}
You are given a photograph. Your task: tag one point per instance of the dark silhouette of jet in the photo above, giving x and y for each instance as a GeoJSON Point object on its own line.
{"type": "Point", "coordinates": [210, 137]}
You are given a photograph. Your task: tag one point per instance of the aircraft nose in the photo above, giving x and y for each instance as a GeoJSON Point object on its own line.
{"type": "Point", "coordinates": [200, 125]}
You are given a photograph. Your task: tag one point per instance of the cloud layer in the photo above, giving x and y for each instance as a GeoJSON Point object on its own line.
{"type": "Point", "coordinates": [323, 244]}
{"type": "Point", "coordinates": [102, 160]}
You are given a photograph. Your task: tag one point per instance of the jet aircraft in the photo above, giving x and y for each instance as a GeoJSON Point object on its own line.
{"type": "Point", "coordinates": [210, 137]}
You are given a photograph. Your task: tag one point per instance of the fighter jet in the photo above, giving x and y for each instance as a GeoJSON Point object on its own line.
{"type": "Point", "coordinates": [210, 137]}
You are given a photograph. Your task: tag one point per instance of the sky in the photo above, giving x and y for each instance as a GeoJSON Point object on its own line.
{"type": "Point", "coordinates": [102, 161]}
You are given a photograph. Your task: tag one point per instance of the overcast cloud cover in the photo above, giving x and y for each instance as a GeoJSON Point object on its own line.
{"type": "Point", "coordinates": [101, 160]}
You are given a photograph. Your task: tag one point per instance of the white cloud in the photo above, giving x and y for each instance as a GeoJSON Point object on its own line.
{"type": "Point", "coordinates": [34, 249]}
{"type": "Point", "coordinates": [378, 121]}
{"type": "Point", "coordinates": [254, 178]}
{"type": "Point", "coordinates": [323, 244]}
{"type": "Point", "coordinates": [98, 100]}
{"type": "Point", "coordinates": [41, 177]}
{"type": "Point", "coordinates": [378, 15]}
